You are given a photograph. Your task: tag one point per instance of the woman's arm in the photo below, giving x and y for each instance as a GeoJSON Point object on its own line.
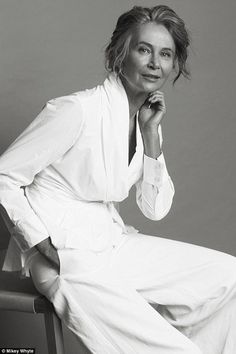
{"type": "Point", "coordinates": [155, 189]}
{"type": "Point", "coordinates": [47, 138]}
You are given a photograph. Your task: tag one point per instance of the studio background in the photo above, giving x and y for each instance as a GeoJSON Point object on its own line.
{"type": "Point", "coordinates": [50, 48]}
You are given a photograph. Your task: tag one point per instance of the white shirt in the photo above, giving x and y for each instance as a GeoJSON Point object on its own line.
{"type": "Point", "coordinates": [72, 162]}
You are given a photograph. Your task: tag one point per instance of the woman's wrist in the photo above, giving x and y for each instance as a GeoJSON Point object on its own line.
{"type": "Point", "coordinates": [151, 142]}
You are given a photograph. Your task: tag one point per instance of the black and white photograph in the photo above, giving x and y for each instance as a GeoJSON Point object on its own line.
{"type": "Point", "coordinates": [117, 177]}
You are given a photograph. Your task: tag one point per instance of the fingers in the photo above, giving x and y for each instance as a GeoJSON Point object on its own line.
{"type": "Point", "coordinates": [157, 97]}
{"type": "Point", "coordinates": [156, 92]}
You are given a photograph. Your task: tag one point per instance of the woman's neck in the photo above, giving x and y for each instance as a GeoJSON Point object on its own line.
{"type": "Point", "coordinates": [135, 99]}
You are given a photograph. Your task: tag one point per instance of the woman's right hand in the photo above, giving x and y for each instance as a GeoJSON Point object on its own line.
{"type": "Point", "coordinates": [47, 249]}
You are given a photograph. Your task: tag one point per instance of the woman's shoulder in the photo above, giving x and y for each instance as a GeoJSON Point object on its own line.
{"type": "Point", "coordinates": [74, 108]}
{"type": "Point", "coordinates": [76, 98]}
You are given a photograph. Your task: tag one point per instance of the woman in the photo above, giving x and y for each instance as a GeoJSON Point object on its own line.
{"type": "Point", "coordinates": [61, 182]}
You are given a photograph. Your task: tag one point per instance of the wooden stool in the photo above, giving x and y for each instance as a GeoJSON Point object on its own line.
{"type": "Point", "coordinates": [20, 295]}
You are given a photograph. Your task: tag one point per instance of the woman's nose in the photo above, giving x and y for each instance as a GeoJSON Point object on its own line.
{"type": "Point", "coordinates": [154, 63]}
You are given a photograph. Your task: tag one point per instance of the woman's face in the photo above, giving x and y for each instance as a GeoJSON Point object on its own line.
{"type": "Point", "coordinates": [150, 59]}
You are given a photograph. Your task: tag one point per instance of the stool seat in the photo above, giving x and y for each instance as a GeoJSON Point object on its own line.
{"type": "Point", "coordinates": [20, 301]}
{"type": "Point", "coordinates": [18, 294]}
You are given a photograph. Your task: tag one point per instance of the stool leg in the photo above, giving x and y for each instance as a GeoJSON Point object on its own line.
{"type": "Point", "coordinates": [54, 333]}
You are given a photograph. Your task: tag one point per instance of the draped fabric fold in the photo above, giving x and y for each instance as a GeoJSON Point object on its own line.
{"type": "Point", "coordinates": [62, 175]}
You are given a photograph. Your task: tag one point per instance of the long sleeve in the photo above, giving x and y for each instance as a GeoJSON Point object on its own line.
{"type": "Point", "coordinates": [155, 189]}
{"type": "Point", "coordinates": [48, 137]}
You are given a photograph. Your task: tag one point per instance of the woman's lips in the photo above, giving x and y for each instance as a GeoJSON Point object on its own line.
{"type": "Point", "coordinates": [150, 77]}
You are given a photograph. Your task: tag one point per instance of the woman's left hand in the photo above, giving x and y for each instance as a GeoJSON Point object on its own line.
{"type": "Point", "coordinates": [152, 112]}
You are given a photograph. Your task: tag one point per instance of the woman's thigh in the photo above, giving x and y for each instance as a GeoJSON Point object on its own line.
{"type": "Point", "coordinates": [184, 276]}
{"type": "Point", "coordinates": [75, 266]}
{"type": "Point", "coordinates": [106, 315]}
{"type": "Point", "coordinates": [142, 257]}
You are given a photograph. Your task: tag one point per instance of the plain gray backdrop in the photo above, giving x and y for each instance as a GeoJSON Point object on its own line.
{"type": "Point", "coordinates": [50, 48]}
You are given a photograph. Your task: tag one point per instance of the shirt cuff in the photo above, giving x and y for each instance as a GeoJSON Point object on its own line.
{"type": "Point", "coordinates": [27, 234]}
{"type": "Point", "coordinates": [153, 170]}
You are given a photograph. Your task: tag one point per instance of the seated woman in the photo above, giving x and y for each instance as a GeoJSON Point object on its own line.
{"type": "Point", "coordinates": [61, 182]}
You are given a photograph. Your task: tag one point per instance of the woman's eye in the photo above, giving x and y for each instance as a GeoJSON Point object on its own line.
{"type": "Point", "coordinates": [166, 54]}
{"type": "Point", "coordinates": [144, 50]}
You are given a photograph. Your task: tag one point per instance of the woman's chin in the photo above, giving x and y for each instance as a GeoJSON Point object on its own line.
{"type": "Point", "coordinates": [152, 86]}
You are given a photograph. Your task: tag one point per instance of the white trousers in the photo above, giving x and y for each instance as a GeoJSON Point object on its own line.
{"type": "Point", "coordinates": [146, 295]}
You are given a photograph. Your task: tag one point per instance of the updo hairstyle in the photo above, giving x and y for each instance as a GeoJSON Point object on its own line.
{"type": "Point", "coordinates": [117, 50]}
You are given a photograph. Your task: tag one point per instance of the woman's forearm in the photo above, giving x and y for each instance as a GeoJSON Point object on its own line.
{"type": "Point", "coordinates": [151, 142]}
